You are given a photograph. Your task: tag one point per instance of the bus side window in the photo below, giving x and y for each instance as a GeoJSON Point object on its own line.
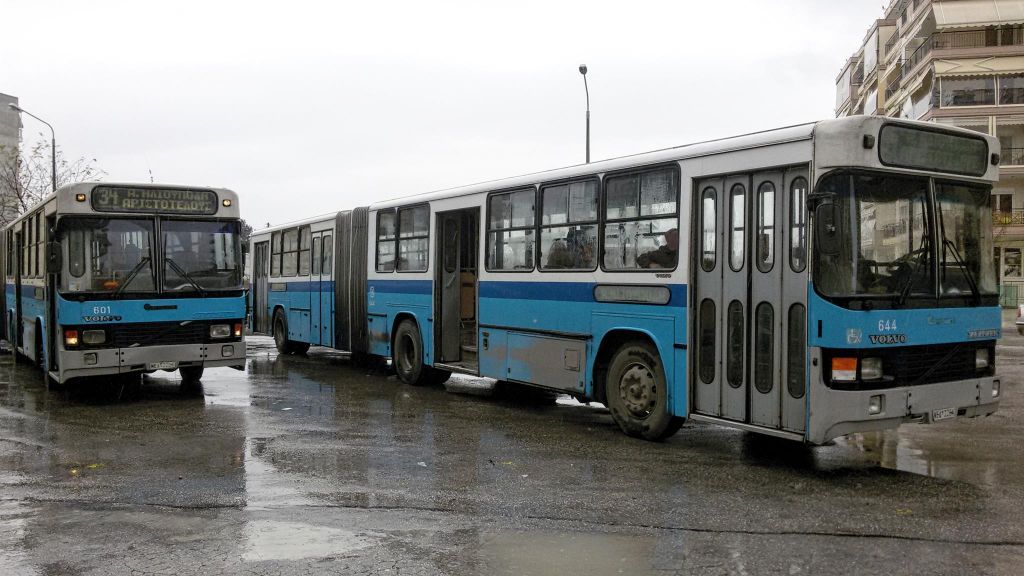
{"type": "Point", "coordinates": [386, 237]}
{"type": "Point", "coordinates": [328, 248]}
{"type": "Point", "coordinates": [798, 225]}
{"type": "Point", "coordinates": [275, 254]}
{"type": "Point", "coordinates": [304, 245]}
{"type": "Point", "coordinates": [510, 231]}
{"type": "Point", "coordinates": [765, 226]}
{"type": "Point", "coordinates": [290, 252]}
{"type": "Point", "coordinates": [568, 227]}
{"type": "Point", "coordinates": [642, 216]}
{"type": "Point", "coordinates": [316, 256]}
{"type": "Point", "coordinates": [413, 238]}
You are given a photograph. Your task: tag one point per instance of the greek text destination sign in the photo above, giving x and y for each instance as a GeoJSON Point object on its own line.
{"type": "Point", "coordinates": [159, 200]}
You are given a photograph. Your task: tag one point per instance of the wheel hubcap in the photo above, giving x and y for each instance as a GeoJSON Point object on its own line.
{"type": "Point", "coordinates": [638, 390]}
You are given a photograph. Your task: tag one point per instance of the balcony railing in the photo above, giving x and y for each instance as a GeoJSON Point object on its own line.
{"type": "Point", "coordinates": [1011, 218]}
{"type": "Point", "coordinates": [919, 54]}
{"type": "Point", "coordinates": [1011, 157]}
{"type": "Point", "coordinates": [987, 38]}
{"type": "Point", "coordinates": [891, 44]}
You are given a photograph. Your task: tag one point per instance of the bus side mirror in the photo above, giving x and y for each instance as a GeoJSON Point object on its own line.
{"type": "Point", "coordinates": [826, 233]}
{"type": "Point", "coordinates": [54, 258]}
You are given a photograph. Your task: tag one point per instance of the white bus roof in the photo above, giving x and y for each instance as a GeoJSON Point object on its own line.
{"type": "Point", "coordinates": [753, 140]}
{"type": "Point", "coordinates": [326, 217]}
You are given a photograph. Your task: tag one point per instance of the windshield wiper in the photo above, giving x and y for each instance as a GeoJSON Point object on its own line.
{"type": "Point", "coordinates": [971, 282]}
{"type": "Point", "coordinates": [181, 272]}
{"type": "Point", "coordinates": [923, 249]}
{"type": "Point", "coordinates": [131, 276]}
{"type": "Point", "coordinates": [949, 244]}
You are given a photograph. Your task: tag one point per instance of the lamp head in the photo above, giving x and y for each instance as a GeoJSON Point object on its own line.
{"type": "Point", "coordinates": [13, 106]}
{"type": "Point", "coordinates": [583, 70]}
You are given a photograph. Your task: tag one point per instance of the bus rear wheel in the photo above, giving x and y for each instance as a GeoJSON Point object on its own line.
{"type": "Point", "coordinates": [281, 341]}
{"type": "Point", "coordinates": [637, 393]}
{"type": "Point", "coordinates": [408, 358]}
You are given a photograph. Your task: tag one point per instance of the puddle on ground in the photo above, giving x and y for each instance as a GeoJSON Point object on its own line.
{"type": "Point", "coordinates": [945, 461]}
{"type": "Point", "coordinates": [274, 540]}
{"type": "Point", "coordinates": [592, 554]}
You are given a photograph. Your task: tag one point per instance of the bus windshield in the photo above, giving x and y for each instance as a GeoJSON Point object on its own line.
{"type": "Point", "coordinates": [201, 255]}
{"type": "Point", "coordinates": [890, 244]}
{"type": "Point", "coordinates": [108, 255]}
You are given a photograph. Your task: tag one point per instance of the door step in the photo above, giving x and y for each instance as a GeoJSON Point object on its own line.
{"type": "Point", "coordinates": [748, 427]}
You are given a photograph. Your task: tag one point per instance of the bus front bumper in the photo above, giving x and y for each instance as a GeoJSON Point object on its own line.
{"type": "Point", "coordinates": [836, 413]}
{"type": "Point", "coordinates": [76, 363]}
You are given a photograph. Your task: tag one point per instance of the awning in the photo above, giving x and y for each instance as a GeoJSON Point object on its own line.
{"type": "Point", "coordinates": [979, 66]}
{"type": "Point", "coordinates": [976, 13]}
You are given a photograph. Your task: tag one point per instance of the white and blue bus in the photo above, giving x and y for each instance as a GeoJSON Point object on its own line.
{"type": "Point", "coordinates": [806, 282]}
{"type": "Point", "coordinates": [107, 278]}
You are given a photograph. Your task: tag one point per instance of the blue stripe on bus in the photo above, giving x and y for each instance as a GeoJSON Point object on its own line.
{"type": "Point", "coordinates": [560, 291]}
{"type": "Point", "coordinates": [401, 286]}
{"type": "Point", "coordinates": [313, 286]}
{"type": "Point", "coordinates": [26, 291]}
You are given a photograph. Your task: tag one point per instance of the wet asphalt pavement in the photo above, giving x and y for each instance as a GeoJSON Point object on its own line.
{"type": "Point", "coordinates": [308, 465]}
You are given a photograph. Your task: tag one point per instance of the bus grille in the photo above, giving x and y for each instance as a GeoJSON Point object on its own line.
{"type": "Point", "coordinates": [157, 333]}
{"type": "Point", "coordinates": [917, 365]}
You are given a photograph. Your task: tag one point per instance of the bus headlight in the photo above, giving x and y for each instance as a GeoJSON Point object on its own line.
{"type": "Point", "coordinates": [981, 360]}
{"type": "Point", "coordinates": [871, 369]}
{"type": "Point", "coordinates": [844, 369]}
{"type": "Point", "coordinates": [238, 330]}
{"type": "Point", "coordinates": [94, 336]}
{"type": "Point", "coordinates": [70, 338]}
{"type": "Point", "coordinates": [220, 331]}
{"type": "Point", "coordinates": [995, 388]}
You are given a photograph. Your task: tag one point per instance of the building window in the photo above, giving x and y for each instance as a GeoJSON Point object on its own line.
{"type": "Point", "coordinates": [387, 233]}
{"type": "Point", "coordinates": [1011, 263]}
{"type": "Point", "coordinates": [1011, 89]}
{"type": "Point", "coordinates": [413, 238]}
{"type": "Point", "coordinates": [568, 226]}
{"type": "Point", "coordinates": [641, 220]}
{"type": "Point", "coordinates": [510, 233]}
{"type": "Point", "coordinates": [979, 91]}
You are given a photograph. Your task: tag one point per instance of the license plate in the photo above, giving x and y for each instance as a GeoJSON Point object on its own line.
{"type": "Point", "coordinates": [943, 414]}
{"type": "Point", "coordinates": [165, 365]}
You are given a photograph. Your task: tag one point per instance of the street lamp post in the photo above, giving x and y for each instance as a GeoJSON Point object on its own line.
{"type": "Point", "coordinates": [53, 144]}
{"type": "Point", "coordinates": [583, 71]}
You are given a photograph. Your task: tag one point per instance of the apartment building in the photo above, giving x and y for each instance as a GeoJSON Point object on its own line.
{"type": "Point", "coordinates": [958, 62]}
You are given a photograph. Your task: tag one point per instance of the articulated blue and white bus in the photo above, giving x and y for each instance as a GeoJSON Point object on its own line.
{"type": "Point", "coordinates": [807, 282]}
{"type": "Point", "coordinates": [106, 278]}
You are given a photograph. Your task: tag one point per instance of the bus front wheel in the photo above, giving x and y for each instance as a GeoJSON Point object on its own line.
{"type": "Point", "coordinates": [408, 358]}
{"type": "Point", "coordinates": [637, 393]}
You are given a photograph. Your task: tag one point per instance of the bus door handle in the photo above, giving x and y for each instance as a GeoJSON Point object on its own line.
{"type": "Point", "coordinates": [164, 307]}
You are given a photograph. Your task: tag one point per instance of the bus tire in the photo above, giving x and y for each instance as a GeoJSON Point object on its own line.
{"type": "Point", "coordinates": [637, 393]}
{"type": "Point", "coordinates": [191, 373]}
{"type": "Point", "coordinates": [284, 345]}
{"type": "Point", "coordinates": [408, 356]}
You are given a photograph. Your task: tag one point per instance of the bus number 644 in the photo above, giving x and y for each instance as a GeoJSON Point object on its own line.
{"type": "Point", "coordinates": [886, 325]}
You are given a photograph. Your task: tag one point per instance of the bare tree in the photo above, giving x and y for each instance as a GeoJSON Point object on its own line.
{"type": "Point", "coordinates": [25, 176]}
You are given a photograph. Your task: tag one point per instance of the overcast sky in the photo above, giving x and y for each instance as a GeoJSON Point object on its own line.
{"type": "Point", "coordinates": [309, 107]}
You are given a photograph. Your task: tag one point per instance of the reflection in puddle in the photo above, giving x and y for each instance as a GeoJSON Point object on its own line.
{"type": "Point", "coordinates": [273, 540]}
{"type": "Point", "coordinates": [946, 460]}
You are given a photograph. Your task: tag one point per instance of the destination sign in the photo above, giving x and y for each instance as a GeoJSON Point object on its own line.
{"type": "Point", "coordinates": [158, 200]}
